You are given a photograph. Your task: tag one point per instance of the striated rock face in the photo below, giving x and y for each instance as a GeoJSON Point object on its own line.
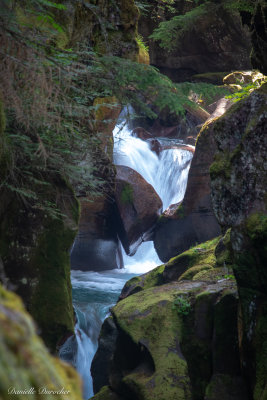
{"type": "Point", "coordinates": [194, 221]}
{"type": "Point", "coordinates": [139, 207]}
{"type": "Point", "coordinates": [238, 183]}
{"type": "Point", "coordinates": [181, 341]}
{"type": "Point", "coordinates": [25, 363]}
{"type": "Point", "coordinates": [215, 42]}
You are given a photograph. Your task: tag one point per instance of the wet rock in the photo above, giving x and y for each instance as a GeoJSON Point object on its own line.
{"type": "Point", "coordinates": [96, 247]}
{"type": "Point", "coordinates": [194, 220]}
{"type": "Point", "coordinates": [155, 145]}
{"type": "Point", "coordinates": [139, 207]}
{"type": "Point", "coordinates": [25, 363]}
{"type": "Point", "coordinates": [172, 126]}
{"type": "Point", "coordinates": [100, 368]}
{"type": "Point", "coordinates": [179, 146]}
{"type": "Point", "coordinates": [141, 133]}
{"type": "Point", "coordinates": [191, 140]}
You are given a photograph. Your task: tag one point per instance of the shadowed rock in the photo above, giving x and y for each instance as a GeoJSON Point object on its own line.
{"type": "Point", "coordinates": [139, 207]}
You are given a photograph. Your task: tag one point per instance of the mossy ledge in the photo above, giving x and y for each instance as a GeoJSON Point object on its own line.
{"type": "Point", "coordinates": [209, 261]}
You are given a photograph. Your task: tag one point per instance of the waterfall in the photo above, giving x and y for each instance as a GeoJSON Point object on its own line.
{"type": "Point", "coordinates": [167, 173]}
{"type": "Point", "coordinates": [95, 292]}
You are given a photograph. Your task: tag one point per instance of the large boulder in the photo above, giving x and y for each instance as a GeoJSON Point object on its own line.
{"type": "Point", "coordinates": [25, 363]}
{"type": "Point", "coordinates": [139, 207]}
{"type": "Point", "coordinates": [212, 41]}
{"type": "Point", "coordinates": [96, 247]}
{"type": "Point", "coordinates": [194, 221]}
{"type": "Point", "coordinates": [238, 184]}
{"type": "Point", "coordinates": [181, 342]}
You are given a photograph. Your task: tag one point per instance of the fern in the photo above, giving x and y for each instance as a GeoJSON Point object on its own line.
{"type": "Point", "coordinates": [169, 32]}
{"type": "Point", "coordinates": [176, 27]}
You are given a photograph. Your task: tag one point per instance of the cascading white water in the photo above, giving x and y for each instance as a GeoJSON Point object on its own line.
{"type": "Point", "coordinates": [95, 292]}
{"type": "Point", "coordinates": [167, 173]}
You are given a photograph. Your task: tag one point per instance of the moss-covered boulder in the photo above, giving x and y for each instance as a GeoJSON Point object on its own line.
{"type": "Point", "coordinates": [175, 340]}
{"type": "Point", "coordinates": [208, 262]}
{"type": "Point", "coordinates": [238, 182]}
{"type": "Point", "coordinates": [25, 363]}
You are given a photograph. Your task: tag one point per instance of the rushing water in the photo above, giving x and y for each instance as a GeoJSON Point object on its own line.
{"type": "Point", "coordinates": [95, 292]}
{"type": "Point", "coordinates": [167, 173]}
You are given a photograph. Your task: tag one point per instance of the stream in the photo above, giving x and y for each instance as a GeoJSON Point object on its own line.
{"type": "Point", "coordinates": [95, 292]}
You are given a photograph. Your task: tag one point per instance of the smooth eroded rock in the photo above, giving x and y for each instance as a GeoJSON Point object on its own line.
{"type": "Point", "coordinates": [139, 207]}
{"type": "Point", "coordinates": [96, 247]}
{"type": "Point", "coordinates": [194, 221]}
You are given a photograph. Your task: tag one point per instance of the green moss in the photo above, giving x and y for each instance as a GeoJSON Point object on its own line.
{"type": "Point", "coordinates": [256, 226]}
{"type": "Point", "coordinates": [51, 303]}
{"type": "Point", "coordinates": [221, 165]}
{"type": "Point", "coordinates": [191, 272]}
{"type": "Point", "coordinates": [127, 194]}
{"type": "Point", "coordinates": [106, 394]}
{"type": "Point", "coordinates": [146, 324]}
{"type": "Point", "coordinates": [200, 257]}
{"type": "Point", "coordinates": [25, 363]}
{"type": "Point", "coordinates": [224, 256]}
{"type": "Point", "coordinates": [180, 211]}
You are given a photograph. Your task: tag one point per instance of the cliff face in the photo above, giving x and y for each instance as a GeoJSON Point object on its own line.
{"type": "Point", "coordinates": [238, 182]}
